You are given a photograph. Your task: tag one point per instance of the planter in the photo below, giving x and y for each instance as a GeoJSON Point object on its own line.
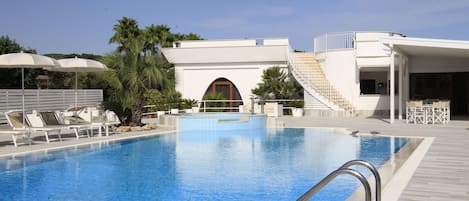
{"type": "Point", "coordinates": [297, 112]}
{"type": "Point", "coordinates": [188, 110]}
{"type": "Point", "coordinates": [195, 109]}
{"type": "Point", "coordinates": [174, 111]}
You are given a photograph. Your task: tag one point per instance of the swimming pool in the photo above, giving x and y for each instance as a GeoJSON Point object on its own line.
{"type": "Point", "coordinates": [260, 164]}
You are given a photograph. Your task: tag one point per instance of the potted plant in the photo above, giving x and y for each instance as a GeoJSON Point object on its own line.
{"type": "Point", "coordinates": [188, 105]}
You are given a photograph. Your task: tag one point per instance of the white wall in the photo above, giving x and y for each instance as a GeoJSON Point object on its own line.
{"type": "Point", "coordinates": [216, 43]}
{"type": "Point", "coordinates": [225, 54]}
{"type": "Point", "coordinates": [438, 64]}
{"type": "Point", "coordinates": [368, 45]}
{"type": "Point", "coordinates": [341, 71]}
{"type": "Point", "coordinates": [375, 102]}
{"type": "Point", "coordinates": [193, 80]}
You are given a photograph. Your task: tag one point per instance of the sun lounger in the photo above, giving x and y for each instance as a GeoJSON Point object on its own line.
{"type": "Point", "coordinates": [111, 119]}
{"type": "Point", "coordinates": [32, 123]}
{"type": "Point", "coordinates": [54, 119]}
{"type": "Point", "coordinates": [37, 124]}
{"type": "Point", "coordinates": [18, 133]}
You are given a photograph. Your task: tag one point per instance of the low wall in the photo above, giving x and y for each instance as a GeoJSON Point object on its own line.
{"type": "Point", "coordinates": [214, 121]}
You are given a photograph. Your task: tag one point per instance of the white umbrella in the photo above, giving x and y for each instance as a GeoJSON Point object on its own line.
{"type": "Point", "coordinates": [25, 60]}
{"type": "Point", "coordinates": [78, 65]}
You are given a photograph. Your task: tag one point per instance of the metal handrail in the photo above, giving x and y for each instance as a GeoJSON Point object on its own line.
{"type": "Point", "coordinates": [316, 188]}
{"type": "Point", "coordinates": [344, 169]}
{"type": "Point", "coordinates": [373, 170]}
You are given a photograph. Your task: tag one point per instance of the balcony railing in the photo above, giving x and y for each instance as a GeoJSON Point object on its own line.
{"type": "Point", "coordinates": [332, 41]}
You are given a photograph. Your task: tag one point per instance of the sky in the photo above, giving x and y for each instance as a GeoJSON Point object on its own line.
{"type": "Point", "coordinates": [85, 26]}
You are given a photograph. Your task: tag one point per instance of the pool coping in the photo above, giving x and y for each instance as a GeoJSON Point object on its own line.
{"type": "Point", "coordinates": [100, 140]}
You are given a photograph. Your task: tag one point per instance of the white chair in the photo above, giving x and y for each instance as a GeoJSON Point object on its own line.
{"type": "Point", "coordinates": [37, 124]}
{"type": "Point", "coordinates": [18, 133]}
{"type": "Point", "coordinates": [111, 119]}
{"type": "Point", "coordinates": [30, 124]}
{"type": "Point", "coordinates": [410, 111]}
{"type": "Point", "coordinates": [56, 119]}
{"type": "Point", "coordinates": [420, 113]}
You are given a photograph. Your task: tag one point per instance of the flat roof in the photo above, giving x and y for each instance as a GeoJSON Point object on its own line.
{"type": "Point", "coordinates": [429, 47]}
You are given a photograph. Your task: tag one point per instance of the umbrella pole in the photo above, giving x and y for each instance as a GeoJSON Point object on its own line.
{"type": "Point", "coordinates": [76, 88]}
{"type": "Point", "coordinates": [22, 97]}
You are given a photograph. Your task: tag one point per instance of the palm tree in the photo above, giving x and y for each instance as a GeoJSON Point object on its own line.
{"type": "Point", "coordinates": [125, 30]}
{"type": "Point", "coordinates": [133, 73]}
{"type": "Point", "coordinates": [277, 85]}
{"type": "Point", "coordinates": [157, 36]}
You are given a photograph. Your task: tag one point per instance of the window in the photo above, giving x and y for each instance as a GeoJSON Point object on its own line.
{"type": "Point", "coordinates": [373, 82]}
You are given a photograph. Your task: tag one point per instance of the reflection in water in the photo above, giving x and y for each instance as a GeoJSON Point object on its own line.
{"type": "Point", "coordinates": [254, 164]}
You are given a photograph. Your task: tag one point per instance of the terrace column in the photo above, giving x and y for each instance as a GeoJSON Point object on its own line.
{"type": "Point", "coordinates": [391, 87]}
{"type": "Point", "coordinates": [401, 97]}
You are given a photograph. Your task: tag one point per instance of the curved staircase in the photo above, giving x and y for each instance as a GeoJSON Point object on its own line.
{"type": "Point", "coordinates": [308, 72]}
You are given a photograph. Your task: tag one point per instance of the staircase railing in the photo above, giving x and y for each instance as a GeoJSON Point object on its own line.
{"type": "Point", "coordinates": [319, 84]}
{"type": "Point", "coordinates": [344, 169]}
{"type": "Point", "coordinates": [306, 83]}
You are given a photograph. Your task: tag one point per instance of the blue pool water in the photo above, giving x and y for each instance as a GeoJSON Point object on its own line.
{"type": "Point", "coordinates": [262, 164]}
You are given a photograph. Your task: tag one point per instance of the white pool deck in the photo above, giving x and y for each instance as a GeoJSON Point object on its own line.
{"type": "Point", "coordinates": [443, 174]}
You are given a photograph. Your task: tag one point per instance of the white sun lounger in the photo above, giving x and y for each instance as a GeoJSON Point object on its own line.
{"type": "Point", "coordinates": [53, 119]}
{"type": "Point", "coordinates": [32, 123]}
{"type": "Point", "coordinates": [18, 133]}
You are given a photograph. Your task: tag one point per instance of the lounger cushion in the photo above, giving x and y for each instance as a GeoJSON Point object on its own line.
{"type": "Point", "coordinates": [49, 118]}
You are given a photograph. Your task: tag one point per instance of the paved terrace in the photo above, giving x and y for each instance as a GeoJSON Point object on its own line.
{"type": "Point", "coordinates": [443, 173]}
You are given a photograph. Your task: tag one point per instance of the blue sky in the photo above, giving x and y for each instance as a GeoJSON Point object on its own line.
{"type": "Point", "coordinates": [85, 26]}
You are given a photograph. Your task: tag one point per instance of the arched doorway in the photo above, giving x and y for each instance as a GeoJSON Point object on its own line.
{"type": "Point", "coordinates": [227, 89]}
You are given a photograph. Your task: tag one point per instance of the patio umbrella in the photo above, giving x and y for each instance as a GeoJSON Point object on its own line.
{"type": "Point", "coordinates": [25, 60]}
{"type": "Point", "coordinates": [78, 65]}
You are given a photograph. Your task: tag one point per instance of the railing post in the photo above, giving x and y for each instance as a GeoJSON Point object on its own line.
{"type": "Point", "coordinates": [205, 106]}
{"type": "Point", "coordinates": [326, 44]}
{"type": "Point", "coordinates": [8, 105]}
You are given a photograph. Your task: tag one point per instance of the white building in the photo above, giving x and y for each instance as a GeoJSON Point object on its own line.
{"type": "Point", "coordinates": [348, 73]}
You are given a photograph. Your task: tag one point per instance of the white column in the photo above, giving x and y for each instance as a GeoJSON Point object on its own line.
{"type": "Point", "coordinates": [401, 68]}
{"type": "Point", "coordinates": [391, 88]}
{"type": "Point", "coordinates": [407, 79]}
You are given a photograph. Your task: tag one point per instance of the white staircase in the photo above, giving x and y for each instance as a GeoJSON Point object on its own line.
{"type": "Point", "coordinates": [308, 72]}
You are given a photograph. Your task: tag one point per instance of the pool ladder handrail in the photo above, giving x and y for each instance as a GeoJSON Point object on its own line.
{"type": "Point", "coordinates": [344, 169]}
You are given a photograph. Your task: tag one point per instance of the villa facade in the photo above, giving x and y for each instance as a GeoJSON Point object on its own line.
{"type": "Point", "coordinates": [358, 73]}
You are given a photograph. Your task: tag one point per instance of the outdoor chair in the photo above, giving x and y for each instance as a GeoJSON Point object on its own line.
{"type": "Point", "coordinates": [15, 133]}
{"type": "Point", "coordinates": [55, 119]}
{"type": "Point", "coordinates": [419, 115]}
{"type": "Point", "coordinates": [445, 109]}
{"type": "Point", "coordinates": [37, 124]}
{"type": "Point", "coordinates": [111, 119]}
{"type": "Point", "coordinates": [15, 120]}
{"type": "Point", "coordinates": [410, 111]}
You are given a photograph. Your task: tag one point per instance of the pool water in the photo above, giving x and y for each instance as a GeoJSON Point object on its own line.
{"type": "Point", "coordinates": [261, 164]}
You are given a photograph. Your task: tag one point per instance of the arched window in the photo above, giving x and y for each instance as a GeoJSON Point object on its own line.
{"type": "Point", "coordinates": [227, 89]}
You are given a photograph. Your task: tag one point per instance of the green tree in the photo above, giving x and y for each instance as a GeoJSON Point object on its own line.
{"type": "Point", "coordinates": [125, 31]}
{"type": "Point", "coordinates": [276, 84]}
{"type": "Point", "coordinates": [10, 78]}
{"type": "Point", "coordinates": [133, 73]}
{"type": "Point", "coordinates": [157, 36]}
{"type": "Point", "coordinates": [8, 45]}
